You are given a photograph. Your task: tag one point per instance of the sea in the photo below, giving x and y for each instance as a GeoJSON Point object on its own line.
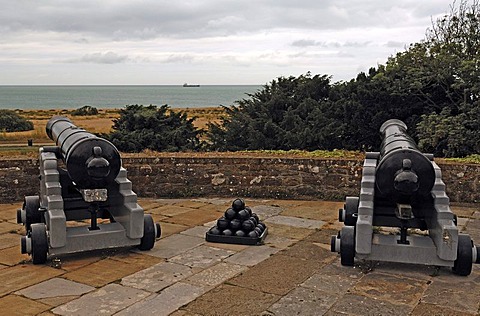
{"type": "Point", "coordinates": [45, 97]}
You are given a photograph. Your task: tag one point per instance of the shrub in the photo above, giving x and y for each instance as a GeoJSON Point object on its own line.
{"type": "Point", "coordinates": [160, 129]}
{"type": "Point", "coordinates": [10, 121]}
{"type": "Point", "coordinates": [85, 110]}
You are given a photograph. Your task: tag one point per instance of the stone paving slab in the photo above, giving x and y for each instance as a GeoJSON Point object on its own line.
{"type": "Point", "coordinates": [455, 293]}
{"type": "Point", "coordinates": [279, 241]}
{"type": "Point", "coordinates": [7, 227]}
{"type": "Point", "coordinates": [197, 231]}
{"type": "Point", "coordinates": [12, 256]}
{"type": "Point", "coordinates": [390, 288]}
{"type": "Point", "coordinates": [227, 299]}
{"type": "Point", "coordinates": [425, 309]}
{"type": "Point", "coordinates": [295, 233]}
{"type": "Point", "coordinates": [252, 255]}
{"type": "Point", "coordinates": [232, 247]}
{"type": "Point", "coordinates": [278, 274]}
{"type": "Point", "coordinates": [473, 229]}
{"type": "Point", "coordinates": [9, 211]}
{"type": "Point", "coordinates": [24, 275]}
{"type": "Point", "coordinates": [140, 259]}
{"type": "Point", "coordinates": [293, 273]}
{"type": "Point", "coordinates": [327, 211]}
{"type": "Point", "coordinates": [215, 201]}
{"type": "Point", "coordinates": [175, 245]}
{"type": "Point", "coordinates": [21, 306]}
{"type": "Point", "coordinates": [167, 301]}
{"type": "Point", "coordinates": [193, 204]}
{"type": "Point", "coordinates": [216, 274]}
{"type": "Point", "coordinates": [169, 229]}
{"type": "Point", "coordinates": [334, 279]}
{"type": "Point", "coordinates": [266, 211]}
{"type": "Point", "coordinates": [102, 272]}
{"type": "Point", "coordinates": [8, 240]}
{"type": "Point", "coordinates": [295, 222]}
{"type": "Point", "coordinates": [352, 304]}
{"type": "Point", "coordinates": [201, 257]}
{"type": "Point", "coordinates": [303, 301]}
{"type": "Point", "coordinates": [55, 287]}
{"type": "Point", "coordinates": [157, 277]}
{"type": "Point", "coordinates": [310, 251]}
{"type": "Point", "coordinates": [194, 217]}
{"type": "Point", "coordinates": [105, 301]}
{"type": "Point", "coordinates": [171, 210]}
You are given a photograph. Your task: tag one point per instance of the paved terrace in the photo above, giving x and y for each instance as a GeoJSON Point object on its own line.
{"type": "Point", "coordinates": [294, 273]}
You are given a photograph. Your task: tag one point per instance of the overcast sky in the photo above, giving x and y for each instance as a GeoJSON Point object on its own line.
{"type": "Point", "coordinates": [203, 41]}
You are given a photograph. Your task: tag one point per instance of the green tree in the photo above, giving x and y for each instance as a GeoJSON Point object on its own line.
{"type": "Point", "coordinates": [285, 114]}
{"type": "Point", "coordinates": [148, 127]}
{"type": "Point", "coordinates": [433, 82]}
{"type": "Point", "coordinates": [446, 135]}
{"type": "Point", "coordinates": [453, 44]}
{"type": "Point", "coordinates": [10, 121]}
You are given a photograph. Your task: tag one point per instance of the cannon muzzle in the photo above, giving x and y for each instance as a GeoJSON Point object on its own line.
{"type": "Point", "coordinates": [92, 162]}
{"type": "Point", "coordinates": [403, 171]}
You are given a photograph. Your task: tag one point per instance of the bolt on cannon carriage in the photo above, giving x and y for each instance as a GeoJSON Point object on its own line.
{"type": "Point", "coordinates": [402, 188]}
{"type": "Point", "coordinates": [82, 179]}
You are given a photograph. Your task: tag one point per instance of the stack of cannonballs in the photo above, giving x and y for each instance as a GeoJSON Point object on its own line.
{"type": "Point", "coordinates": [238, 225]}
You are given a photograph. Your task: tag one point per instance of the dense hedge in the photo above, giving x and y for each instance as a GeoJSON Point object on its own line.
{"type": "Point", "coordinates": [433, 86]}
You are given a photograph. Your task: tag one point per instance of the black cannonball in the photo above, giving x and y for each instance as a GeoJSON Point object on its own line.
{"type": "Point", "coordinates": [254, 220]}
{"type": "Point", "coordinates": [249, 210]}
{"type": "Point", "coordinates": [240, 233]}
{"type": "Point", "coordinates": [243, 215]}
{"type": "Point", "coordinates": [230, 213]}
{"type": "Point", "coordinates": [215, 231]}
{"type": "Point", "coordinates": [227, 232]}
{"type": "Point", "coordinates": [256, 217]}
{"type": "Point", "coordinates": [253, 234]}
{"type": "Point", "coordinates": [258, 230]}
{"type": "Point", "coordinates": [235, 224]}
{"type": "Point", "coordinates": [222, 223]}
{"type": "Point", "coordinates": [248, 225]}
{"type": "Point", "coordinates": [238, 205]}
{"type": "Point", "coordinates": [262, 225]}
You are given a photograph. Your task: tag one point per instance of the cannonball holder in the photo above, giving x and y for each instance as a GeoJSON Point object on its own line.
{"type": "Point", "coordinates": [239, 225]}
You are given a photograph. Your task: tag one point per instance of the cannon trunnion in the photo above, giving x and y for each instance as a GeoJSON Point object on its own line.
{"type": "Point", "coordinates": [82, 181]}
{"type": "Point", "coordinates": [402, 192]}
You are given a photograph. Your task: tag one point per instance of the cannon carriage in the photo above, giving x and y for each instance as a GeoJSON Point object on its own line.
{"type": "Point", "coordinates": [82, 179]}
{"type": "Point", "coordinates": [402, 188]}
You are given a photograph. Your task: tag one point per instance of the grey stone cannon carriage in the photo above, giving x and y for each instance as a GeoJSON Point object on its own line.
{"type": "Point", "coordinates": [402, 188]}
{"type": "Point", "coordinates": [82, 179]}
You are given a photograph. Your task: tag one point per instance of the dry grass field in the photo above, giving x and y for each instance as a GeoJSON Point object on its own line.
{"type": "Point", "coordinates": [14, 144]}
{"type": "Point", "coordinates": [101, 123]}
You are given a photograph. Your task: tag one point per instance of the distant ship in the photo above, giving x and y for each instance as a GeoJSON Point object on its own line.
{"type": "Point", "coordinates": [186, 85]}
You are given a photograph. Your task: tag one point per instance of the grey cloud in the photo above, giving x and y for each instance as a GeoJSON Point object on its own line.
{"type": "Point", "coordinates": [309, 43]}
{"type": "Point", "coordinates": [102, 58]}
{"type": "Point", "coordinates": [124, 20]}
{"type": "Point", "coordinates": [304, 43]}
{"type": "Point", "coordinates": [179, 58]}
{"type": "Point", "coordinates": [395, 44]}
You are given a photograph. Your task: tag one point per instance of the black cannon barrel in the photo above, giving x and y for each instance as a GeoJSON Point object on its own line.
{"type": "Point", "coordinates": [92, 162]}
{"type": "Point", "coordinates": [403, 171]}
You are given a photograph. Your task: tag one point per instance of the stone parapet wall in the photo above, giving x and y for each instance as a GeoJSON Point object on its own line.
{"type": "Point", "coordinates": [171, 176]}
